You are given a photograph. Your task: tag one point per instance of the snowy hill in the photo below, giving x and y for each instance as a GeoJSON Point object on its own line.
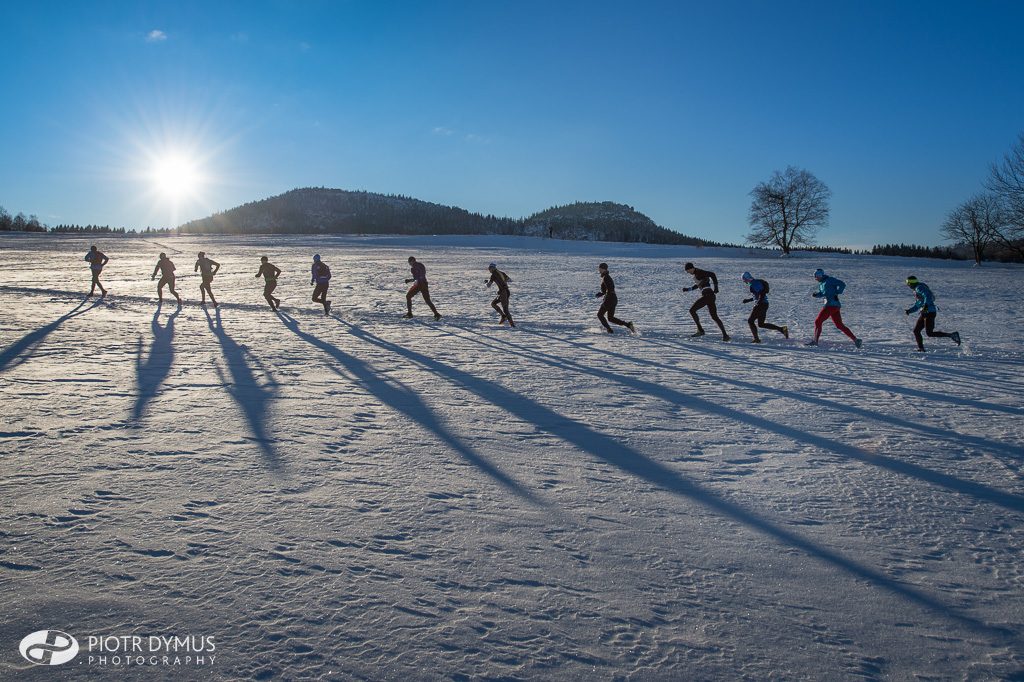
{"type": "Point", "coordinates": [319, 210]}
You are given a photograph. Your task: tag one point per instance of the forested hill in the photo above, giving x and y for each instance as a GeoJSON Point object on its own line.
{"type": "Point", "coordinates": [316, 210]}
{"type": "Point", "coordinates": [604, 221]}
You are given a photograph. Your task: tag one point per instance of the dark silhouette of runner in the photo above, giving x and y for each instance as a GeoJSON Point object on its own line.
{"type": "Point", "coordinates": [501, 279]}
{"type": "Point", "coordinates": [611, 300]}
{"type": "Point", "coordinates": [97, 259]}
{"type": "Point", "coordinates": [707, 283]}
{"type": "Point", "coordinates": [210, 268]}
{"type": "Point", "coordinates": [166, 269]}
{"type": "Point", "coordinates": [419, 286]}
{"type": "Point", "coordinates": [270, 273]}
{"type": "Point", "coordinates": [320, 275]}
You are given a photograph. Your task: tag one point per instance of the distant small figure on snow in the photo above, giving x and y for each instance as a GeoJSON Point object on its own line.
{"type": "Point", "coordinates": [419, 286]}
{"type": "Point", "coordinates": [321, 277]}
{"type": "Point", "coordinates": [611, 300]}
{"type": "Point", "coordinates": [830, 288]}
{"type": "Point", "coordinates": [501, 279]}
{"type": "Point", "coordinates": [707, 283]}
{"type": "Point", "coordinates": [97, 259]}
{"type": "Point", "coordinates": [926, 304]}
{"type": "Point", "coordinates": [166, 269]}
{"type": "Point", "coordinates": [759, 295]}
{"type": "Point", "coordinates": [269, 272]}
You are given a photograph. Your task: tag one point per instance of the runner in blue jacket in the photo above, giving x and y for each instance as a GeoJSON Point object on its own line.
{"type": "Point", "coordinates": [759, 295]}
{"type": "Point", "coordinates": [926, 304]}
{"type": "Point", "coordinates": [830, 288]}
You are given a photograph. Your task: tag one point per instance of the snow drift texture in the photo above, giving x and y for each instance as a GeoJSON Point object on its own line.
{"type": "Point", "coordinates": [363, 497]}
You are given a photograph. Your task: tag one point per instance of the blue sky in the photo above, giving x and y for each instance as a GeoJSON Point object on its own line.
{"type": "Point", "coordinates": [675, 108]}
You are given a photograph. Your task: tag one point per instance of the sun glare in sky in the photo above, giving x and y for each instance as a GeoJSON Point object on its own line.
{"type": "Point", "coordinates": [175, 177]}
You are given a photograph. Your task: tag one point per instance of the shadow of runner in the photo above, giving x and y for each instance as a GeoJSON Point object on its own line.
{"type": "Point", "coordinates": [149, 376]}
{"type": "Point", "coordinates": [24, 348]}
{"type": "Point", "coordinates": [633, 462]}
{"type": "Point", "coordinates": [955, 438]}
{"type": "Point", "coordinates": [252, 397]}
{"type": "Point", "coordinates": [403, 399]}
{"type": "Point", "coordinates": [892, 388]}
{"type": "Point", "coordinates": [979, 491]}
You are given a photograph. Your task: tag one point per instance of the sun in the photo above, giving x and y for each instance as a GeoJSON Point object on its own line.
{"type": "Point", "coordinates": [175, 177]}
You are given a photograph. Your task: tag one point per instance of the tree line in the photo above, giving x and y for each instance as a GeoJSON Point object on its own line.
{"type": "Point", "coordinates": [19, 223]}
{"type": "Point", "coordinates": [788, 210]}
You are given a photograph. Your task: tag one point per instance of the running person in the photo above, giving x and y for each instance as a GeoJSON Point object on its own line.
{"type": "Point", "coordinates": [707, 283]}
{"type": "Point", "coordinates": [759, 295]}
{"type": "Point", "coordinates": [830, 288]}
{"type": "Point", "coordinates": [419, 286]}
{"type": "Point", "coordinates": [610, 301]}
{"type": "Point", "coordinates": [926, 304]}
{"type": "Point", "coordinates": [501, 279]}
{"type": "Point", "coordinates": [270, 273]}
{"type": "Point", "coordinates": [320, 276]}
{"type": "Point", "coordinates": [210, 268]}
{"type": "Point", "coordinates": [97, 259]}
{"type": "Point", "coordinates": [166, 269]}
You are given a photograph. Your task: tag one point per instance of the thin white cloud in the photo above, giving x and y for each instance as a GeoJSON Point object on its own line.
{"type": "Point", "coordinates": [305, 47]}
{"type": "Point", "coordinates": [473, 138]}
{"type": "Point", "coordinates": [240, 37]}
{"type": "Point", "coordinates": [156, 36]}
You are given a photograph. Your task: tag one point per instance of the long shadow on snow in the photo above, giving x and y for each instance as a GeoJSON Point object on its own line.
{"type": "Point", "coordinates": [24, 348]}
{"type": "Point", "coordinates": [914, 364]}
{"type": "Point", "coordinates": [150, 375]}
{"type": "Point", "coordinates": [954, 437]}
{"type": "Point", "coordinates": [405, 400]}
{"type": "Point", "coordinates": [254, 398]}
{"type": "Point", "coordinates": [979, 491]}
{"type": "Point", "coordinates": [633, 462]}
{"type": "Point", "coordinates": [909, 392]}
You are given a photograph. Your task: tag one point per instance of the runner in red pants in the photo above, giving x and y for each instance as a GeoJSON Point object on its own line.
{"type": "Point", "coordinates": [829, 288]}
{"type": "Point", "coordinates": [834, 313]}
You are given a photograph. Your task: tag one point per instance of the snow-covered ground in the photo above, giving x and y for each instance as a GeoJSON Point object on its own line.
{"type": "Point", "coordinates": [367, 497]}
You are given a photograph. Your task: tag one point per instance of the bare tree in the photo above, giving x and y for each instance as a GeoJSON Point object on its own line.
{"type": "Point", "coordinates": [788, 210]}
{"type": "Point", "coordinates": [974, 223]}
{"type": "Point", "coordinates": [1006, 181]}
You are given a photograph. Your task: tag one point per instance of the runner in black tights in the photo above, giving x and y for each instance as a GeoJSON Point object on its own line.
{"type": "Point", "coordinates": [759, 295]}
{"type": "Point", "coordinates": [703, 281]}
{"type": "Point", "coordinates": [925, 302]}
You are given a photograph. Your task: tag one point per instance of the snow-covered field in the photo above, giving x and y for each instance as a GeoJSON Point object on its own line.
{"type": "Point", "coordinates": [367, 497]}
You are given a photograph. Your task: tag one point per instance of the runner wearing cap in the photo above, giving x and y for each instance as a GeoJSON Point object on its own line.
{"type": "Point", "coordinates": [926, 304]}
{"type": "Point", "coordinates": [759, 295]}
